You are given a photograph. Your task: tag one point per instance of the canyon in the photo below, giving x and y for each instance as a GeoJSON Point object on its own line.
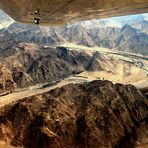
{"type": "Point", "coordinates": [84, 84]}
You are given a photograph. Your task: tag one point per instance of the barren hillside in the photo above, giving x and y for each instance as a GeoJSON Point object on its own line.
{"type": "Point", "coordinates": [77, 115]}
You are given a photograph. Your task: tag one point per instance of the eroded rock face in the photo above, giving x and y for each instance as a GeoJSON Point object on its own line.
{"type": "Point", "coordinates": [145, 92]}
{"type": "Point", "coordinates": [6, 81]}
{"type": "Point", "coordinates": [31, 64]}
{"type": "Point", "coordinates": [95, 114]}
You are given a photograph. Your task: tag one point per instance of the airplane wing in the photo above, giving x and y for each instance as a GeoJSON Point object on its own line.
{"type": "Point", "coordinates": [62, 11]}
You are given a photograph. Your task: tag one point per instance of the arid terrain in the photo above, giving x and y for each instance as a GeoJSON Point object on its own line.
{"type": "Point", "coordinates": [27, 64]}
{"type": "Point", "coordinates": [76, 115]}
{"type": "Point", "coordinates": [82, 85]}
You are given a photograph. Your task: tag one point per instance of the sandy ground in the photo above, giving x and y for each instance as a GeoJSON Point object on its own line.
{"type": "Point", "coordinates": [119, 72]}
{"type": "Point", "coordinates": [73, 46]}
{"type": "Point", "coordinates": [136, 77]}
{"type": "Point", "coordinates": [32, 91]}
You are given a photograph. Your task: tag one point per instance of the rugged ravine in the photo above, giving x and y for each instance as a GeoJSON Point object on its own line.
{"type": "Point", "coordinates": [94, 114]}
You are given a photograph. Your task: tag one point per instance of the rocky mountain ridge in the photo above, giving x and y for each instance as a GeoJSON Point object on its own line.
{"type": "Point", "coordinates": [131, 36]}
{"type": "Point", "coordinates": [30, 64]}
{"type": "Point", "coordinates": [77, 115]}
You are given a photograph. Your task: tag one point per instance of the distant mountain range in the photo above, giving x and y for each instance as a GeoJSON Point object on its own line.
{"type": "Point", "coordinates": [128, 33]}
